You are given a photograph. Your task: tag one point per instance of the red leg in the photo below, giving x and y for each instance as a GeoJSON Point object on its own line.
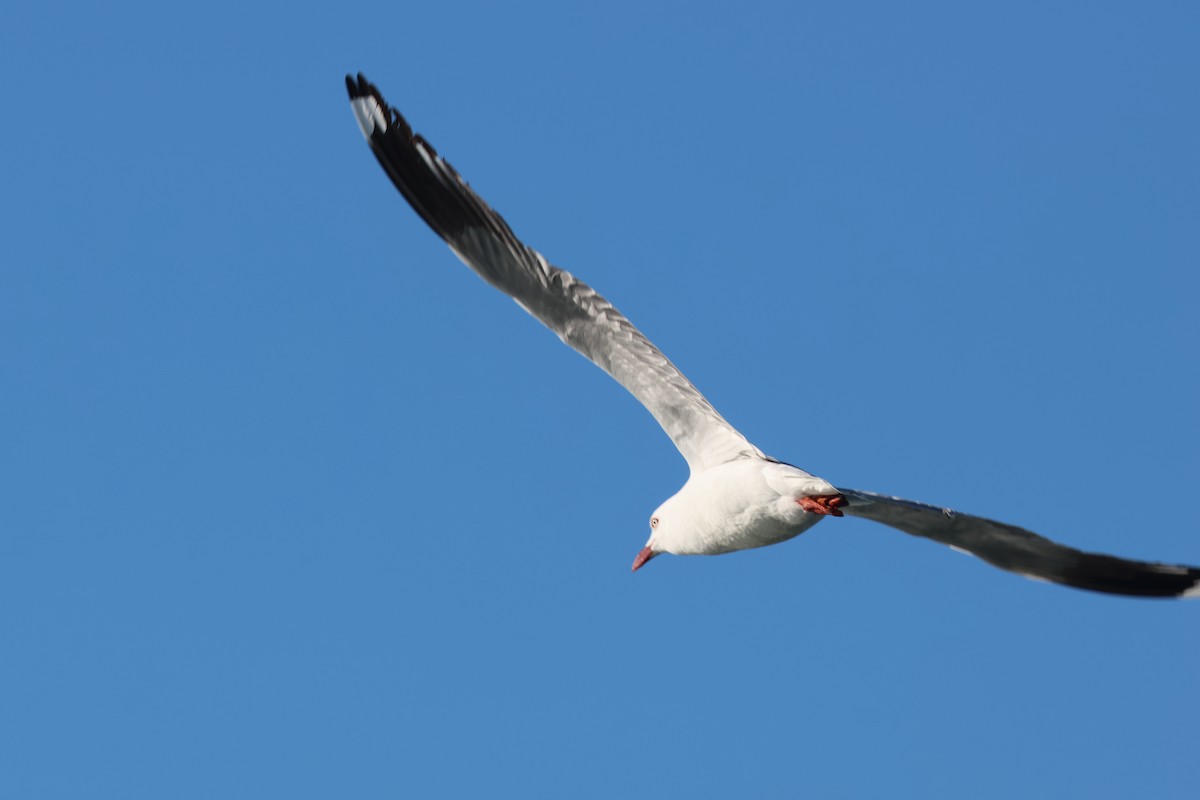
{"type": "Point", "coordinates": [823, 504]}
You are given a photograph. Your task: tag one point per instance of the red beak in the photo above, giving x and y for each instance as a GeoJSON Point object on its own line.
{"type": "Point", "coordinates": [642, 557]}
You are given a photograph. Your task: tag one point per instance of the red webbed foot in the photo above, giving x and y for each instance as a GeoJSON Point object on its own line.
{"type": "Point", "coordinates": [822, 504]}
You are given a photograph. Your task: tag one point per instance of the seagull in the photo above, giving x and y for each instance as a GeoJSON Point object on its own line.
{"type": "Point", "coordinates": [736, 497]}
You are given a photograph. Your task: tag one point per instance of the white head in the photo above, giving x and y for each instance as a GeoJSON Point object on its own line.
{"type": "Point", "coordinates": [660, 534]}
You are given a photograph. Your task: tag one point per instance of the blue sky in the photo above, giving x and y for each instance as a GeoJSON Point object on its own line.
{"type": "Point", "coordinates": [295, 506]}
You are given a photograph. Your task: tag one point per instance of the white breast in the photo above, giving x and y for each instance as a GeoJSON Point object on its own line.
{"type": "Point", "coordinates": [739, 505]}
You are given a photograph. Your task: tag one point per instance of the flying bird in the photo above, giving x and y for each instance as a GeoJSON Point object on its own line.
{"type": "Point", "coordinates": [736, 497]}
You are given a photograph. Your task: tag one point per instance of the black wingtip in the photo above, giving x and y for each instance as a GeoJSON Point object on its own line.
{"type": "Point", "coordinates": [360, 87]}
{"type": "Point", "coordinates": [1101, 573]}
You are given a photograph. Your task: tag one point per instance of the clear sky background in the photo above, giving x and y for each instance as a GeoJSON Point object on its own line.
{"type": "Point", "coordinates": [294, 505]}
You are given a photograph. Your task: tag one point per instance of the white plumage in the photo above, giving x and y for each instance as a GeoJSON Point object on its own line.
{"type": "Point", "coordinates": [736, 497]}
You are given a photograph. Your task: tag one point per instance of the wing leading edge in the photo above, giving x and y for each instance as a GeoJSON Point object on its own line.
{"type": "Point", "coordinates": [574, 311]}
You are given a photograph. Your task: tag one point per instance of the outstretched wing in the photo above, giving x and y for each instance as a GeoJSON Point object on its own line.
{"type": "Point", "coordinates": [581, 318]}
{"type": "Point", "coordinates": [1021, 551]}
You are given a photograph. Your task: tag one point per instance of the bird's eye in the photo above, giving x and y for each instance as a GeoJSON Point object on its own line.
{"type": "Point", "coordinates": [654, 522]}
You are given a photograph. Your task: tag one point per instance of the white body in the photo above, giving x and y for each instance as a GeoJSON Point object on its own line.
{"type": "Point", "coordinates": [751, 502]}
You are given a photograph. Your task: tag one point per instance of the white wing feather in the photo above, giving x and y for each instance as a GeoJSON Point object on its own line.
{"type": "Point", "coordinates": [572, 309]}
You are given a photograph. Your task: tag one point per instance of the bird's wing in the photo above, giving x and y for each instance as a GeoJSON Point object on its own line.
{"type": "Point", "coordinates": [573, 310]}
{"type": "Point", "coordinates": [1021, 551]}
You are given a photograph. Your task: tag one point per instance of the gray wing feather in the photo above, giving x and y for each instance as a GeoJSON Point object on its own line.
{"type": "Point", "coordinates": [1018, 550]}
{"type": "Point", "coordinates": [569, 307]}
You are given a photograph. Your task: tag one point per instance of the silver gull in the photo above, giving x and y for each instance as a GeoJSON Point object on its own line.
{"type": "Point", "coordinates": [736, 496]}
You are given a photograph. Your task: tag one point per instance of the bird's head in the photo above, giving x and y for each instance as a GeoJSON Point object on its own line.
{"type": "Point", "coordinates": [660, 534]}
